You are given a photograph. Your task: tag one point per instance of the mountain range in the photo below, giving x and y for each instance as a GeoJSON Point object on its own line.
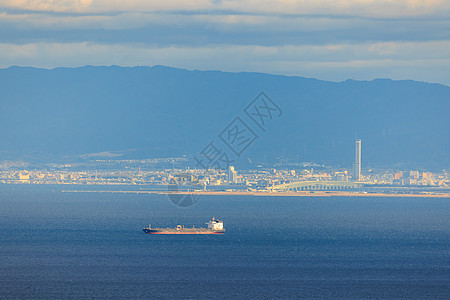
{"type": "Point", "coordinates": [162, 111]}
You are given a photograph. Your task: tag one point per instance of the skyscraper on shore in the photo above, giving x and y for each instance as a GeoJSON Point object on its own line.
{"type": "Point", "coordinates": [232, 175]}
{"type": "Point", "coordinates": [357, 163]}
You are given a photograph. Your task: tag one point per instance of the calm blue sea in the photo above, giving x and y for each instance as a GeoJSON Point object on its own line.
{"type": "Point", "coordinates": [57, 245]}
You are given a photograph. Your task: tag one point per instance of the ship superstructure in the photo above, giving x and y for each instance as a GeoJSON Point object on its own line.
{"type": "Point", "coordinates": [214, 227]}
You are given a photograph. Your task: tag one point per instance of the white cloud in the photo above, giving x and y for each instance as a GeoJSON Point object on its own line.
{"type": "Point", "coordinates": [205, 24]}
{"type": "Point", "coordinates": [49, 5]}
{"type": "Point", "coordinates": [365, 8]}
{"type": "Point", "coordinates": [46, 21]}
{"type": "Point", "coordinates": [329, 39]}
{"type": "Point", "coordinates": [133, 20]}
{"type": "Point", "coordinates": [89, 6]}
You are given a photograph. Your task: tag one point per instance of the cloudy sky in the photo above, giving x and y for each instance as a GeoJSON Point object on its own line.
{"type": "Point", "coordinates": [326, 39]}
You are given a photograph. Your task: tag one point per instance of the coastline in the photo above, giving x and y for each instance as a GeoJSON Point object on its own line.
{"type": "Point", "coordinates": [314, 194]}
{"type": "Point", "coordinates": [272, 194]}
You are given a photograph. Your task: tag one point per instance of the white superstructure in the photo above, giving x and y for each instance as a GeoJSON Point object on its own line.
{"type": "Point", "coordinates": [215, 224]}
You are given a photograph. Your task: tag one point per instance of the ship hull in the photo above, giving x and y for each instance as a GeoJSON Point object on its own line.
{"type": "Point", "coordinates": [184, 232]}
{"type": "Point", "coordinates": [155, 231]}
{"type": "Point", "coordinates": [214, 227]}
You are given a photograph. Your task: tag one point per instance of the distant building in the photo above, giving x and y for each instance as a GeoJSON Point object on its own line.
{"type": "Point", "coordinates": [414, 174]}
{"type": "Point", "coordinates": [398, 175]}
{"type": "Point", "coordinates": [232, 175]}
{"type": "Point", "coordinates": [427, 175]}
{"type": "Point", "coordinates": [340, 176]}
{"type": "Point", "coordinates": [357, 164]}
{"type": "Point", "coordinates": [25, 178]}
{"type": "Point", "coordinates": [406, 181]}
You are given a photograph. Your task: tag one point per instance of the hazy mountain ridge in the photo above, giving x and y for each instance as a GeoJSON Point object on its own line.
{"type": "Point", "coordinates": [72, 111]}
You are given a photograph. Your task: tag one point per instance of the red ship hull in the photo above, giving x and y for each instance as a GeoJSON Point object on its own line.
{"type": "Point", "coordinates": [184, 232]}
{"type": "Point", "coordinates": [214, 227]}
{"type": "Point", "coordinates": [181, 231]}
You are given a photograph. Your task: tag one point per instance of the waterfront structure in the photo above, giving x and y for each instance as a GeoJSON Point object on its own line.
{"type": "Point", "coordinates": [357, 163]}
{"type": "Point", "coordinates": [316, 186]}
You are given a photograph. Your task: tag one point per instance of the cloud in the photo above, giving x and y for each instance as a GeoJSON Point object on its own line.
{"type": "Point", "coordinates": [49, 5]}
{"type": "Point", "coordinates": [329, 39]}
{"type": "Point", "coordinates": [165, 29]}
{"type": "Point", "coordinates": [96, 6]}
{"type": "Point", "coordinates": [363, 8]}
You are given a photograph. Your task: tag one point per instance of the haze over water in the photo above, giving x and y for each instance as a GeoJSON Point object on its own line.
{"type": "Point", "coordinates": [84, 245]}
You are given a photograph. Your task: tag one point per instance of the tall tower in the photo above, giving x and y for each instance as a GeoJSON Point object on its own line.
{"type": "Point", "coordinates": [232, 175]}
{"type": "Point", "coordinates": [357, 164]}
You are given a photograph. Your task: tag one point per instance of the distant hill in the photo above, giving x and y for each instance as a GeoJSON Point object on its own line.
{"type": "Point", "coordinates": [164, 111]}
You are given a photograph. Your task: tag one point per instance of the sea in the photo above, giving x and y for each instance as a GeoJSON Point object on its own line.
{"type": "Point", "coordinates": [66, 245]}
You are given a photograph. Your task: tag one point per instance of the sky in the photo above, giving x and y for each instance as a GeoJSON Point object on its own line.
{"type": "Point", "coordinates": [326, 39]}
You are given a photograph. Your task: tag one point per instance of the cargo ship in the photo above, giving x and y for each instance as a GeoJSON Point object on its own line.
{"type": "Point", "coordinates": [214, 227]}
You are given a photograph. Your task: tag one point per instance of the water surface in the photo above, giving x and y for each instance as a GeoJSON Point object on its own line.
{"type": "Point", "coordinates": [85, 245]}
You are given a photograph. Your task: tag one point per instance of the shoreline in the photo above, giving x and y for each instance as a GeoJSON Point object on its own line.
{"type": "Point", "coordinates": [271, 194]}
{"type": "Point", "coordinates": [314, 194]}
